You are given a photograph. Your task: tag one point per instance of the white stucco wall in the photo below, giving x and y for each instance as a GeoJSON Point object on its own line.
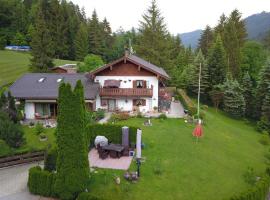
{"type": "Point", "coordinates": [127, 82]}
{"type": "Point", "coordinates": [29, 109]}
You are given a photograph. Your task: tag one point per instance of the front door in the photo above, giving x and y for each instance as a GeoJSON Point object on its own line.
{"type": "Point", "coordinates": [111, 103]}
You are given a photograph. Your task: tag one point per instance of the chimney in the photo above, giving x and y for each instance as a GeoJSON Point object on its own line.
{"type": "Point", "coordinates": [127, 53]}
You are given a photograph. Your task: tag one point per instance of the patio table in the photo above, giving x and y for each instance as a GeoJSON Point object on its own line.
{"type": "Point", "coordinates": [115, 150]}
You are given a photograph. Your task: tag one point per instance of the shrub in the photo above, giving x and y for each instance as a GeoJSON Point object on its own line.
{"type": "Point", "coordinates": [88, 196]}
{"type": "Point", "coordinates": [249, 176]}
{"type": "Point", "coordinates": [4, 148]}
{"type": "Point", "coordinates": [39, 128]}
{"type": "Point", "coordinates": [263, 125]}
{"type": "Point", "coordinates": [265, 140]}
{"type": "Point", "coordinates": [258, 192]}
{"type": "Point", "coordinates": [100, 113]}
{"type": "Point", "coordinates": [162, 116]}
{"type": "Point", "coordinates": [119, 116]}
{"type": "Point", "coordinates": [10, 132]}
{"type": "Point", "coordinates": [50, 160]}
{"type": "Point", "coordinates": [110, 131]}
{"type": "Point", "coordinates": [187, 102]}
{"type": "Point", "coordinates": [40, 182]}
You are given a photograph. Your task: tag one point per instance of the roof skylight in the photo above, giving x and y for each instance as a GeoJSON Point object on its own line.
{"type": "Point", "coordinates": [41, 80]}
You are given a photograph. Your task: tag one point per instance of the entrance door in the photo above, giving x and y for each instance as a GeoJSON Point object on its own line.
{"type": "Point", "coordinates": [111, 104]}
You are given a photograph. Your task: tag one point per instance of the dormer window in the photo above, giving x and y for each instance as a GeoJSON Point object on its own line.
{"type": "Point", "coordinates": [41, 80]}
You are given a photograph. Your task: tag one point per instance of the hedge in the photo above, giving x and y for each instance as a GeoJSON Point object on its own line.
{"type": "Point", "coordinates": [187, 102]}
{"type": "Point", "coordinates": [258, 192]}
{"type": "Point", "coordinates": [112, 132]}
{"type": "Point", "coordinates": [40, 182]}
{"type": "Point", "coordinates": [88, 196]}
{"type": "Point", "coordinates": [50, 160]}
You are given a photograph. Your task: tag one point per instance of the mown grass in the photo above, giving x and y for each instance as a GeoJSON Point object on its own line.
{"type": "Point", "coordinates": [32, 142]}
{"type": "Point", "coordinates": [211, 169]}
{"type": "Point", "coordinates": [14, 64]}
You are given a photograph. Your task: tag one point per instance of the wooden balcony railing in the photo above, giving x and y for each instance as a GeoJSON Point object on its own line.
{"type": "Point", "coordinates": [125, 92]}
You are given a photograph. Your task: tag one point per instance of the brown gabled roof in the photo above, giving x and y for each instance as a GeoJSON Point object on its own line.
{"type": "Point", "coordinates": [138, 61]}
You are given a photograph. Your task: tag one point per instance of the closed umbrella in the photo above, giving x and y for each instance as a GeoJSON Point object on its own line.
{"type": "Point", "coordinates": [198, 131]}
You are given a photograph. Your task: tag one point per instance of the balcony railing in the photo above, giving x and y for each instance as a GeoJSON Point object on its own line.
{"type": "Point", "coordinates": [125, 92]}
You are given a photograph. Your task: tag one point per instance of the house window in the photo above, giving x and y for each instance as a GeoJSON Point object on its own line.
{"type": "Point", "coordinates": [42, 109]}
{"type": "Point", "coordinates": [103, 102]}
{"type": "Point", "coordinates": [139, 102]}
{"type": "Point", "coordinates": [139, 83]}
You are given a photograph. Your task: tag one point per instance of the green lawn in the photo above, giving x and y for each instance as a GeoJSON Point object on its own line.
{"type": "Point", "coordinates": [32, 142]}
{"type": "Point", "coordinates": [14, 64]}
{"type": "Point", "coordinates": [211, 169]}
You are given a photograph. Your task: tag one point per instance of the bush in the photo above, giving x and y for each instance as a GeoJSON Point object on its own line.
{"type": "Point", "coordinates": [162, 116]}
{"type": "Point", "coordinates": [249, 176]}
{"type": "Point", "coordinates": [187, 102]}
{"type": "Point", "coordinates": [88, 196]}
{"type": "Point", "coordinates": [258, 192]}
{"type": "Point", "coordinates": [265, 140]}
{"type": "Point", "coordinates": [40, 182]}
{"type": "Point", "coordinates": [119, 116]}
{"type": "Point", "coordinates": [4, 149]}
{"type": "Point", "coordinates": [110, 131]}
{"type": "Point", "coordinates": [100, 114]}
{"type": "Point", "coordinates": [50, 160]}
{"type": "Point", "coordinates": [10, 132]}
{"type": "Point", "coordinates": [263, 125]}
{"type": "Point", "coordinates": [39, 128]}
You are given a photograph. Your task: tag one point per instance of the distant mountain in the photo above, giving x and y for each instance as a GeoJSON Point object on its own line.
{"type": "Point", "coordinates": [257, 26]}
{"type": "Point", "coordinates": [191, 38]}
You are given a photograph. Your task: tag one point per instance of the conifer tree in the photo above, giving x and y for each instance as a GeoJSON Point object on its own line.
{"type": "Point", "coordinates": [234, 38]}
{"type": "Point", "coordinates": [81, 43]}
{"type": "Point", "coordinates": [220, 28]}
{"type": "Point", "coordinates": [194, 76]}
{"type": "Point", "coordinates": [234, 102]}
{"type": "Point", "coordinates": [96, 45]}
{"type": "Point", "coordinates": [206, 40]}
{"type": "Point", "coordinates": [248, 95]}
{"type": "Point", "coordinates": [72, 159]}
{"type": "Point", "coordinates": [42, 48]}
{"type": "Point", "coordinates": [262, 89]}
{"type": "Point", "coordinates": [217, 62]}
{"type": "Point", "coordinates": [152, 41]}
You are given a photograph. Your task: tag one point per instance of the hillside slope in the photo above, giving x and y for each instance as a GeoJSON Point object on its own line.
{"type": "Point", "coordinates": [14, 64]}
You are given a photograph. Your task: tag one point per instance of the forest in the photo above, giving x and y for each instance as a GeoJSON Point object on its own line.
{"type": "Point", "coordinates": [235, 70]}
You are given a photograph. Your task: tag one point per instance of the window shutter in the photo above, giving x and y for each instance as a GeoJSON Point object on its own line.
{"type": "Point", "coordinates": [144, 84]}
{"type": "Point", "coordinates": [134, 84]}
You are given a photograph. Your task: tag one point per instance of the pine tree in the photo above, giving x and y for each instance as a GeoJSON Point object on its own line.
{"type": "Point", "coordinates": [58, 30]}
{"type": "Point", "coordinates": [72, 160]}
{"type": "Point", "coordinates": [234, 38]}
{"type": "Point", "coordinates": [262, 89]}
{"type": "Point", "coordinates": [248, 95]}
{"type": "Point", "coordinates": [217, 62]}
{"type": "Point", "coordinates": [234, 102]}
{"type": "Point", "coordinates": [194, 76]}
{"type": "Point", "coordinates": [96, 45]}
{"type": "Point", "coordinates": [206, 40]}
{"type": "Point", "coordinates": [81, 43]}
{"type": "Point", "coordinates": [108, 40]}
{"type": "Point", "coordinates": [153, 44]}
{"type": "Point", "coordinates": [42, 48]}
{"type": "Point", "coordinates": [220, 28]}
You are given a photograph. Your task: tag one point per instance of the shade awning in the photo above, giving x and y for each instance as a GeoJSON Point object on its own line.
{"type": "Point", "coordinates": [111, 83]}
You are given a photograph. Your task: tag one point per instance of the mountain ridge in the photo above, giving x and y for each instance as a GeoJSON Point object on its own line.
{"type": "Point", "coordinates": [257, 26]}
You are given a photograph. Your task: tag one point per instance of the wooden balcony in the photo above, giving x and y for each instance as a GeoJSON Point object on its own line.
{"type": "Point", "coordinates": [126, 92]}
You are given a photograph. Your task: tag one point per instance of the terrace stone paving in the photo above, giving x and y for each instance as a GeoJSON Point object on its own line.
{"type": "Point", "coordinates": [122, 163]}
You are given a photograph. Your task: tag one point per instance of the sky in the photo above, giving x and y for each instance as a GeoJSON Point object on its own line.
{"type": "Point", "coordinates": [180, 15]}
